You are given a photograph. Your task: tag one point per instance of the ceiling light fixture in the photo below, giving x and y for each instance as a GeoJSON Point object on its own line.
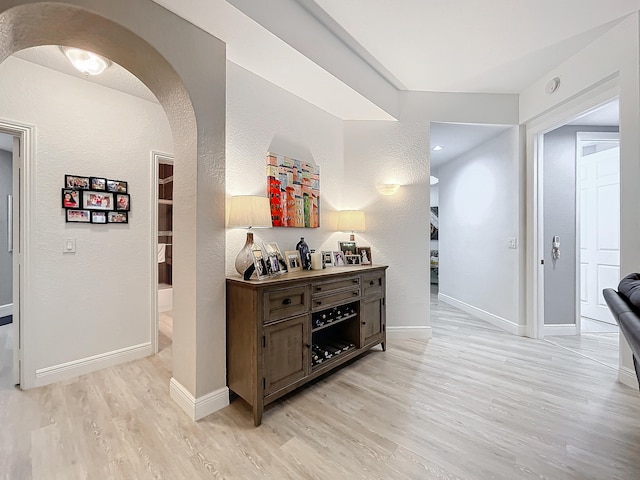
{"type": "Point", "coordinates": [433, 180]}
{"type": "Point", "coordinates": [86, 62]}
{"type": "Point", "coordinates": [437, 148]}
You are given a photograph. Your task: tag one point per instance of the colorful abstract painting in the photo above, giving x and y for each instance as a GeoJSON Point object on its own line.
{"type": "Point", "coordinates": [293, 187]}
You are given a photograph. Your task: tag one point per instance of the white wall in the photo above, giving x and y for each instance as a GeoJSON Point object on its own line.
{"type": "Point", "coordinates": [98, 300]}
{"type": "Point", "coordinates": [479, 207]}
{"type": "Point", "coordinates": [612, 58]}
{"type": "Point", "coordinates": [398, 225]}
{"type": "Point", "coordinates": [262, 117]}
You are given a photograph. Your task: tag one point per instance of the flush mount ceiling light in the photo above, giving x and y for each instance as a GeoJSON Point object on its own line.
{"type": "Point", "coordinates": [86, 62]}
{"type": "Point", "coordinates": [433, 180]}
{"type": "Point", "coordinates": [437, 148]}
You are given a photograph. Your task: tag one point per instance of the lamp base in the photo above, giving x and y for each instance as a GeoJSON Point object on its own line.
{"type": "Point", "coordinates": [244, 260]}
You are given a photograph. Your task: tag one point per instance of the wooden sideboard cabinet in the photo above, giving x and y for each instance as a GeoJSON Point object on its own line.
{"type": "Point", "coordinates": [287, 330]}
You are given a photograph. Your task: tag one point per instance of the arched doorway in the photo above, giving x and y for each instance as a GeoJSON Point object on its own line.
{"type": "Point", "coordinates": [192, 94]}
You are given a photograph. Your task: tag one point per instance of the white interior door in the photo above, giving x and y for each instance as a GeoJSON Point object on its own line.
{"type": "Point", "coordinates": [599, 207]}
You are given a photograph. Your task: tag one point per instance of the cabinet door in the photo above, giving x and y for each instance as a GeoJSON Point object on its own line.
{"type": "Point", "coordinates": [286, 353]}
{"type": "Point", "coordinates": [372, 319]}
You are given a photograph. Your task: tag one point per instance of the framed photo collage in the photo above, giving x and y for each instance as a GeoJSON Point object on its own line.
{"type": "Point", "coordinates": [95, 200]}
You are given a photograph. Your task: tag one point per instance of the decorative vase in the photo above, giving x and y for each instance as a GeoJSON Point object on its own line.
{"type": "Point", "coordinates": [245, 258]}
{"type": "Point", "coordinates": [303, 248]}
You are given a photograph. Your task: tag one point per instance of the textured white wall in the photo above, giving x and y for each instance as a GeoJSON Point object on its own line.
{"type": "Point", "coordinates": [479, 211]}
{"type": "Point", "coordinates": [397, 225]}
{"type": "Point", "coordinates": [262, 117]}
{"type": "Point", "coordinates": [98, 299]}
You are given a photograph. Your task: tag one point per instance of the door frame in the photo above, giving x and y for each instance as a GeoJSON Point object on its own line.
{"type": "Point", "coordinates": [22, 201]}
{"type": "Point", "coordinates": [535, 245]}
{"type": "Point", "coordinates": [604, 137]}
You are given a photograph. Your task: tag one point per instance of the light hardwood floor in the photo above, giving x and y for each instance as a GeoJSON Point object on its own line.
{"type": "Point", "coordinates": [472, 403]}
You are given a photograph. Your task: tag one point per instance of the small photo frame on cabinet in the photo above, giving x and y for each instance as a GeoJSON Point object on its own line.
{"type": "Point", "coordinates": [270, 249]}
{"type": "Point", "coordinates": [352, 259]}
{"type": "Point", "coordinates": [123, 202]}
{"type": "Point", "coordinates": [74, 181]}
{"type": "Point", "coordinates": [78, 216]}
{"type": "Point", "coordinates": [260, 264]}
{"type": "Point", "coordinates": [338, 259]}
{"type": "Point", "coordinates": [98, 183]}
{"type": "Point", "coordinates": [365, 255]}
{"type": "Point", "coordinates": [98, 217]}
{"type": "Point", "coordinates": [327, 259]}
{"type": "Point", "coordinates": [348, 248]}
{"type": "Point", "coordinates": [117, 217]}
{"type": "Point", "coordinates": [294, 263]}
{"type": "Point", "coordinates": [273, 265]}
{"type": "Point", "coordinates": [71, 198]}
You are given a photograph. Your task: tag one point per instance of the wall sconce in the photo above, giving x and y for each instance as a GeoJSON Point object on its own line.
{"type": "Point", "coordinates": [86, 62]}
{"type": "Point", "coordinates": [388, 188]}
{"type": "Point", "coordinates": [351, 221]}
{"type": "Point", "coordinates": [248, 211]}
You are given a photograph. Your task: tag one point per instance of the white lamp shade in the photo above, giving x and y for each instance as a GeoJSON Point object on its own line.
{"type": "Point", "coordinates": [250, 211]}
{"type": "Point", "coordinates": [351, 221]}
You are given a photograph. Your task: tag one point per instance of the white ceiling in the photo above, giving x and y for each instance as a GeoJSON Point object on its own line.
{"type": "Point", "coordinates": [358, 54]}
{"type": "Point", "coordinates": [115, 76]}
{"type": "Point", "coordinates": [458, 138]}
{"type": "Point", "coordinates": [605, 116]}
{"type": "Point", "coordinates": [496, 46]}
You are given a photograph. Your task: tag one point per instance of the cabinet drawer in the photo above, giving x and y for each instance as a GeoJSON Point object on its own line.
{"type": "Point", "coordinates": [283, 303]}
{"type": "Point", "coordinates": [338, 298]}
{"type": "Point", "coordinates": [321, 288]}
{"type": "Point", "coordinates": [372, 284]}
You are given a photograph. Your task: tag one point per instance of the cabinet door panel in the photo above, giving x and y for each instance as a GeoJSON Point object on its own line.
{"type": "Point", "coordinates": [372, 313]}
{"type": "Point", "coordinates": [286, 355]}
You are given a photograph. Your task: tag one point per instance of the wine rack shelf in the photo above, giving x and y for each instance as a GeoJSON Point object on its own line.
{"type": "Point", "coordinates": [287, 330]}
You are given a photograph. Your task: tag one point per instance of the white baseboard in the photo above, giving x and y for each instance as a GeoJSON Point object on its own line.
{"type": "Point", "coordinates": [6, 309]}
{"type": "Point", "coordinates": [65, 371]}
{"type": "Point", "coordinates": [401, 332]}
{"type": "Point", "coordinates": [627, 376]}
{"type": "Point", "coordinates": [198, 408]}
{"type": "Point", "coordinates": [561, 329]}
{"type": "Point", "coordinates": [165, 299]}
{"type": "Point", "coordinates": [499, 322]}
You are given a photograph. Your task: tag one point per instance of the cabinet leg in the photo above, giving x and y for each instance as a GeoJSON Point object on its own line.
{"type": "Point", "coordinates": [384, 346]}
{"type": "Point", "coordinates": [257, 414]}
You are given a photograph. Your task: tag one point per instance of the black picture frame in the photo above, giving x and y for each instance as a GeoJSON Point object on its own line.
{"type": "Point", "coordinates": [122, 202]}
{"type": "Point", "coordinates": [98, 183]}
{"type": "Point", "coordinates": [99, 216]}
{"type": "Point", "coordinates": [71, 198]}
{"type": "Point", "coordinates": [352, 259]}
{"type": "Point", "coordinates": [117, 186]}
{"type": "Point", "coordinates": [77, 216]}
{"type": "Point", "coordinates": [97, 200]}
{"type": "Point", "coordinates": [117, 217]}
{"type": "Point", "coordinates": [77, 181]}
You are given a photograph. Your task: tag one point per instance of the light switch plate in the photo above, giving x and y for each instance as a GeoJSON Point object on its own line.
{"type": "Point", "coordinates": [513, 242]}
{"type": "Point", "coordinates": [69, 245]}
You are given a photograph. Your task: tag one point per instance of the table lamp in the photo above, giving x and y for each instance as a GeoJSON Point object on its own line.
{"type": "Point", "coordinates": [351, 221]}
{"type": "Point", "coordinates": [248, 211]}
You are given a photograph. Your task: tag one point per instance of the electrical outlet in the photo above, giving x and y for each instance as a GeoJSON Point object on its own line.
{"type": "Point", "coordinates": [513, 242]}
